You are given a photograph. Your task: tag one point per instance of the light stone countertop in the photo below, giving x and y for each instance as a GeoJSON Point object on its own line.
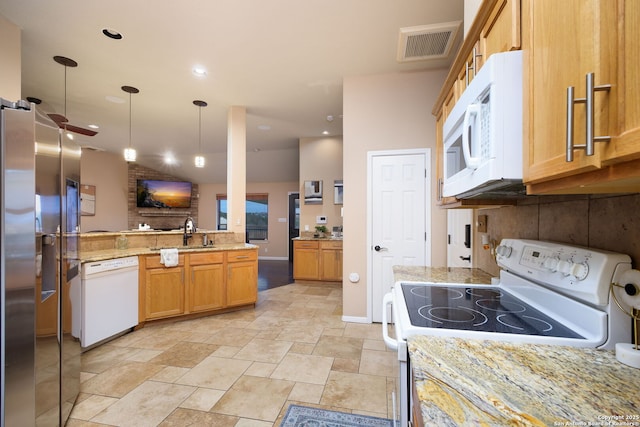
{"type": "Point", "coordinates": [440, 274]}
{"type": "Point", "coordinates": [101, 255]}
{"type": "Point", "coordinates": [493, 383]}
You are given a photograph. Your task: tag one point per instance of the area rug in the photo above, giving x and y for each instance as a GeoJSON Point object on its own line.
{"type": "Point", "coordinates": [304, 416]}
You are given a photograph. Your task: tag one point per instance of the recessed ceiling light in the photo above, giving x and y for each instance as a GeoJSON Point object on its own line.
{"type": "Point", "coordinates": [325, 132]}
{"type": "Point", "coordinates": [94, 126]}
{"type": "Point", "coordinates": [169, 159]}
{"type": "Point", "coordinates": [112, 34]}
{"type": "Point", "coordinates": [199, 71]}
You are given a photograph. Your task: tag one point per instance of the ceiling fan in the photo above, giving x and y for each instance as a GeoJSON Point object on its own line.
{"type": "Point", "coordinates": [61, 119]}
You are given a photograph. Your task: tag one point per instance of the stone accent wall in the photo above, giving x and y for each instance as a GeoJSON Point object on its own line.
{"type": "Point", "coordinates": [157, 218]}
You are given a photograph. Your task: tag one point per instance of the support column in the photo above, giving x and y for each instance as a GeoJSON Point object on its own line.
{"type": "Point", "coordinates": [237, 171]}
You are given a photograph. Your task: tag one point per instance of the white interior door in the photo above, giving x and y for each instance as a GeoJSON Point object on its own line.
{"type": "Point", "coordinates": [398, 218]}
{"type": "Point", "coordinates": [459, 237]}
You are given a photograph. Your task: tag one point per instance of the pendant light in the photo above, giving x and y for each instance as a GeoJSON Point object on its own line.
{"type": "Point", "coordinates": [61, 119]}
{"type": "Point", "coordinates": [199, 159]}
{"type": "Point", "coordinates": [130, 152]}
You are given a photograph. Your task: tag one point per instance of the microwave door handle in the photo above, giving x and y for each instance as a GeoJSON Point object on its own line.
{"type": "Point", "coordinates": [472, 110]}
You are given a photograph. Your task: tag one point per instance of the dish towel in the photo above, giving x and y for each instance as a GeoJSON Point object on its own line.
{"type": "Point", "coordinates": [169, 257]}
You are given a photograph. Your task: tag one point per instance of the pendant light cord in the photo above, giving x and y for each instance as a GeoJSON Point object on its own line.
{"type": "Point", "coordinates": [200, 130]}
{"type": "Point", "coordinates": [129, 119]}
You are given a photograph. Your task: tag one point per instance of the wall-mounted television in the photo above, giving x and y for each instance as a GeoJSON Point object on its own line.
{"type": "Point", "coordinates": [152, 193]}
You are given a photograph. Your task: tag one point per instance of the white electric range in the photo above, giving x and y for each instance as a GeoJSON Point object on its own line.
{"type": "Point", "coordinates": [548, 293]}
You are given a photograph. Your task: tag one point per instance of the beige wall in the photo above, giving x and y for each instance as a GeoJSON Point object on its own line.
{"type": "Point", "coordinates": [383, 112]}
{"type": "Point", "coordinates": [277, 246]}
{"type": "Point", "coordinates": [108, 172]}
{"type": "Point", "coordinates": [10, 66]}
{"type": "Point", "coordinates": [320, 160]}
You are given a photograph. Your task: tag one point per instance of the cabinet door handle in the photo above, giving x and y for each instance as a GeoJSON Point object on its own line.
{"type": "Point", "coordinates": [590, 140]}
{"type": "Point", "coordinates": [591, 90]}
{"type": "Point", "coordinates": [242, 257]}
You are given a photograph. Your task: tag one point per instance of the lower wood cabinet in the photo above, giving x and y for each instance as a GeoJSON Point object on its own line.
{"type": "Point", "coordinates": [242, 277]}
{"type": "Point", "coordinates": [164, 289]}
{"type": "Point", "coordinates": [206, 280]}
{"type": "Point", "coordinates": [331, 261]}
{"type": "Point", "coordinates": [201, 282]}
{"type": "Point", "coordinates": [306, 259]}
{"type": "Point", "coordinates": [317, 260]}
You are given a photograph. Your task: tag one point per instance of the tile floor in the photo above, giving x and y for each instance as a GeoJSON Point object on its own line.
{"type": "Point", "coordinates": [240, 369]}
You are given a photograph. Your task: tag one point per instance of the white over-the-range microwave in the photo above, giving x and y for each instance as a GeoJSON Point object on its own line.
{"type": "Point", "coordinates": [483, 133]}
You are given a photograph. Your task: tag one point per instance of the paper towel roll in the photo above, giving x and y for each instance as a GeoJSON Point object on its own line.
{"type": "Point", "coordinates": [628, 301]}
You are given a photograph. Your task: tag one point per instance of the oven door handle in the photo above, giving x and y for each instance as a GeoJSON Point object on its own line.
{"type": "Point", "coordinates": [390, 342]}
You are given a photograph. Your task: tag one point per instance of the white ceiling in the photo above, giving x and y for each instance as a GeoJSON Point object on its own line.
{"type": "Point", "coordinates": [284, 60]}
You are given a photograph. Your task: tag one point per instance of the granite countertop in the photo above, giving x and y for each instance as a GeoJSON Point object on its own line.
{"type": "Point", "coordinates": [493, 383]}
{"type": "Point", "coordinates": [101, 255]}
{"type": "Point", "coordinates": [403, 273]}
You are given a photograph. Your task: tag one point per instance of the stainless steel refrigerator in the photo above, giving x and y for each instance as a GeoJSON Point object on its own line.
{"type": "Point", "coordinates": [39, 269]}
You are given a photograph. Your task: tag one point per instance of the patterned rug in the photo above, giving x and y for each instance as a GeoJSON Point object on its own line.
{"type": "Point", "coordinates": [303, 416]}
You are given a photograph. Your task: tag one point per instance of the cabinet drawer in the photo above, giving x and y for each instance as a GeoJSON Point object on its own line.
{"type": "Point", "coordinates": [305, 244]}
{"type": "Point", "coordinates": [245, 255]}
{"type": "Point", "coordinates": [331, 245]}
{"type": "Point", "coordinates": [206, 258]}
{"type": "Point", "coordinates": [153, 261]}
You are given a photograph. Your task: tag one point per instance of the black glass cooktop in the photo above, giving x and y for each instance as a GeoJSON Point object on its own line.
{"type": "Point", "coordinates": [478, 309]}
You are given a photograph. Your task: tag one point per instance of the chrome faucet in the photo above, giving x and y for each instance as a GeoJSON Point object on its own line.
{"type": "Point", "coordinates": [189, 227]}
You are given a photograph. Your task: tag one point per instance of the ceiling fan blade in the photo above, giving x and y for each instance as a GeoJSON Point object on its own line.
{"type": "Point", "coordinates": [58, 118]}
{"type": "Point", "coordinates": [62, 122]}
{"type": "Point", "coordinates": [77, 129]}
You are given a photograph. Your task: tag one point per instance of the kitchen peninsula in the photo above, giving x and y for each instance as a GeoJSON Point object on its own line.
{"type": "Point", "coordinates": [218, 276]}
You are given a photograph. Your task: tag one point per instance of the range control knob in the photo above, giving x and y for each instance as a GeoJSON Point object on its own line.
{"type": "Point", "coordinates": [580, 270]}
{"type": "Point", "coordinates": [551, 264]}
{"type": "Point", "coordinates": [564, 267]}
{"type": "Point", "coordinates": [504, 251]}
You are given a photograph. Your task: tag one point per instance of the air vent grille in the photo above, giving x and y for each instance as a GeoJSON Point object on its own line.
{"type": "Point", "coordinates": [427, 41]}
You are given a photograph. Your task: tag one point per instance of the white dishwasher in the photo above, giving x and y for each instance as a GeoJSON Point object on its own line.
{"type": "Point", "coordinates": [109, 298]}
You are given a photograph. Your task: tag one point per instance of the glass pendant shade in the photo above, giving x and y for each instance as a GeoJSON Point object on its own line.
{"type": "Point", "coordinates": [199, 161]}
{"type": "Point", "coordinates": [130, 154]}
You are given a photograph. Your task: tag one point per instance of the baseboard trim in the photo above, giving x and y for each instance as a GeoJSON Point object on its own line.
{"type": "Point", "coordinates": [354, 319]}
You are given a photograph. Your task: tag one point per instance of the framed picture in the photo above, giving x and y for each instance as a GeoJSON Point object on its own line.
{"type": "Point", "coordinates": [313, 192]}
{"type": "Point", "coordinates": [87, 199]}
{"type": "Point", "coordinates": [337, 192]}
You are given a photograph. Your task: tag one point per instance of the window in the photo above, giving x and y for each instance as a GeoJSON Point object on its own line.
{"type": "Point", "coordinates": [257, 219]}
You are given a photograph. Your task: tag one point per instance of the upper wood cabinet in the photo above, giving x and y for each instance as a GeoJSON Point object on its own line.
{"type": "Point", "coordinates": [566, 43]}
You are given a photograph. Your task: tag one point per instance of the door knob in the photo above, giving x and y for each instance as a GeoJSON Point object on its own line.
{"type": "Point", "coordinates": [379, 248]}
{"type": "Point", "coordinates": [466, 258]}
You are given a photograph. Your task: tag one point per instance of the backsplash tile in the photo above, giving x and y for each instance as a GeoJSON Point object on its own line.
{"type": "Point", "coordinates": [603, 222]}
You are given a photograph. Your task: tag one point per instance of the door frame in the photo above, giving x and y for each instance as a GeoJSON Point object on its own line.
{"type": "Point", "coordinates": [291, 233]}
{"type": "Point", "coordinates": [428, 240]}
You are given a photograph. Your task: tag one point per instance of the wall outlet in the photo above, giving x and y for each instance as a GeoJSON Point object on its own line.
{"type": "Point", "coordinates": [482, 224]}
{"type": "Point", "coordinates": [321, 219]}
